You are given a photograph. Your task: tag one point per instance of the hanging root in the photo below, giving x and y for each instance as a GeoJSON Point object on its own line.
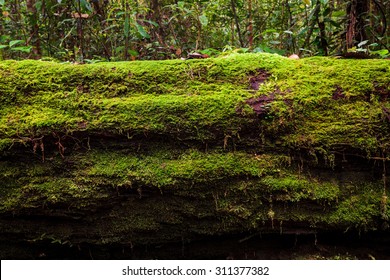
{"type": "Point", "coordinates": [38, 143]}
{"type": "Point", "coordinates": [61, 148]}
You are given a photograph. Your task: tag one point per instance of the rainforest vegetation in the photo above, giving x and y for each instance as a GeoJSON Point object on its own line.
{"type": "Point", "coordinates": [112, 30]}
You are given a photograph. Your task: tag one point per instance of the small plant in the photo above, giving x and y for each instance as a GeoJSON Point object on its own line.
{"type": "Point", "coordinates": [14, 45]}
{"type": "Point", "coordinates": [362, 47]}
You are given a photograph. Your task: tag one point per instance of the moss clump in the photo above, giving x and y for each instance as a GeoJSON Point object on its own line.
{"type": "Point", "coordinates": [153, 151]}
{"type": "Point", "coordinates": [191, 167]}
{"type": "Point", "coordinates": [295, 188]}
{"type": "Point", "coordinates": [318, 102]}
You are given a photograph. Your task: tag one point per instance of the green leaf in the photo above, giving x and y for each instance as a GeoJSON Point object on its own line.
{"type": "Point", "coordinates": [4, 38]}
{"type": "Point", "coordinates": [180, 4]}
{"type": "Point", "coordinates": [210, 51]}
{"type": "Point", "coordinates": [269, 31]}
{"type": "Point", "coordinates": [203, 20]}
{"type": "Point", "coordinates": [93, 61]}
{"type": "Point", "coordinates": [305, 50]}
{"type": "Point", "coordinates": [85, 5]}
{"type": "Point", "coordinates": [155, 24]}
{"type": "Point", "coordinates": [302, 31]}
{"type": "Point", "coordinates": [1, 2]}
{"type": "Point", "coordinates": [326, 12]}
{"type": "Point", "coordinates": [15, 42]}
{"type": "Point", "coordinates": [38, 5]}
{"type": "Point", "coordinates": [119, 49]}
{"type": "Point", "coordinates": [3, 46]}
{"type": "Point", "coordinates": [22, 49]}
{"type": "Point", "coordinates": [133, 52]}
{"type": "Point", "coordinates": [382, 53]}
{"type": "Point", "coordinates": [332, 22]}
{"type": "Point", "coordinates": [339, 14]}
{"type": "Point", "coordinates": [142, 31]}
{"type": "Point", "coordinates": [362, 43]}
{"type": "Point", "coordinates": [243, 50]}
{"type": "Point", "coordinates": [258, 50]}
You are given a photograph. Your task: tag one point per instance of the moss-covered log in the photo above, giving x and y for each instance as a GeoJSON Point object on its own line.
{"type": "Point", "coordinates": [151, 152]}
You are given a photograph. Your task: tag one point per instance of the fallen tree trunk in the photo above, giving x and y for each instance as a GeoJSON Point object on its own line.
{"type": "Point", "coordinates": [153, 152]}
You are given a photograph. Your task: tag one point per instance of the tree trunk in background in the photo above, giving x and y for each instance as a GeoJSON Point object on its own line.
{"type": "Point", "coordinates": [288, 25]}
{"type": "Point", "coordinates": [126, 30]}
{"type": "Point", "coordinates": [357, 11]}
{"type": "Point", "coordinates": [100, 8]}
{"type": "Point", "coordinates": [34, 31]}
{"type": "Point", "coordinates": [312, 23]}
{"type": "Point", "coordinates": [1, 20]}
{"type": "Point", "coordinates": [378, 10]}
{"type": "Point", "coordinates": [233, 5]}
{"type": "Point", "coordinates": [80, 35]}
{"type": "Point", "coordinates": [155, 16]}
{"type": "Point", "coordinates": [250, 25]}
{"type": "Point", "coordinates": [323, 41]}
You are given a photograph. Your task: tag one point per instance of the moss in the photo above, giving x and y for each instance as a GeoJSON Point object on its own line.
{"type": "Point", "coordinates": [189, 167]}
{"type": "Point", "coordinates": [95, 171]}
{"type": "Point", "coordinates": [295, 188]}
{"type": "Point", "coordinates": [198, 99]}
{"type": "Point", "coordinates": [175, 147]}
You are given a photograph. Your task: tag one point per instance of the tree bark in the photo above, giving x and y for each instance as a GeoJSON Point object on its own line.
{"type": "Point", "coordinates": [34, 38]}
{"type": "Point", "coordinates": [323, 41]}
{"type": "Point", "coordinates": [233, 5]}
{"type": "Point", "coordinates": [312, 24]}
{"type": "Point", "coordinates": [80, 35]}
{"type": "Point", "coordinates": [155, 16]}
{"type": "Point", "coordinates": [250, 25]}
{"type": "Point", "coordinates": [357, 11]}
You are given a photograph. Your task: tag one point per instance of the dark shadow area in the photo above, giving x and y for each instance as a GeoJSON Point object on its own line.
{"type": "Point", "coordinates": [335, 245]}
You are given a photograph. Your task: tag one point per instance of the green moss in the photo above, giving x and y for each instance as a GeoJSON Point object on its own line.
{"type": "Point", "coordinates": [360, 205]}
{"type": "Point", "coordinates": [175, 146]}
{"type": "Point", "coordinates": [190, 167]}
{"type": "Point", "coordinates": [199, 99]}
{"type": "Point", "coordinates": [296, 188]}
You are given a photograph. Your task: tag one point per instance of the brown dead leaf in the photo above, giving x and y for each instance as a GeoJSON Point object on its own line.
{"type": "Point", "coordinates": [79, 15]}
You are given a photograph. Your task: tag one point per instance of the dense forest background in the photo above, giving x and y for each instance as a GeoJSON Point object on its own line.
{"type": "Point", "coordinates": [112, 30]}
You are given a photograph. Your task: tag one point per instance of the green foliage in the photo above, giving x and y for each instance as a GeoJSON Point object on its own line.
{"type": "Point", "coordinates": [74, 30]}
{"type": "Point", "coordinates": [12, 45]}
